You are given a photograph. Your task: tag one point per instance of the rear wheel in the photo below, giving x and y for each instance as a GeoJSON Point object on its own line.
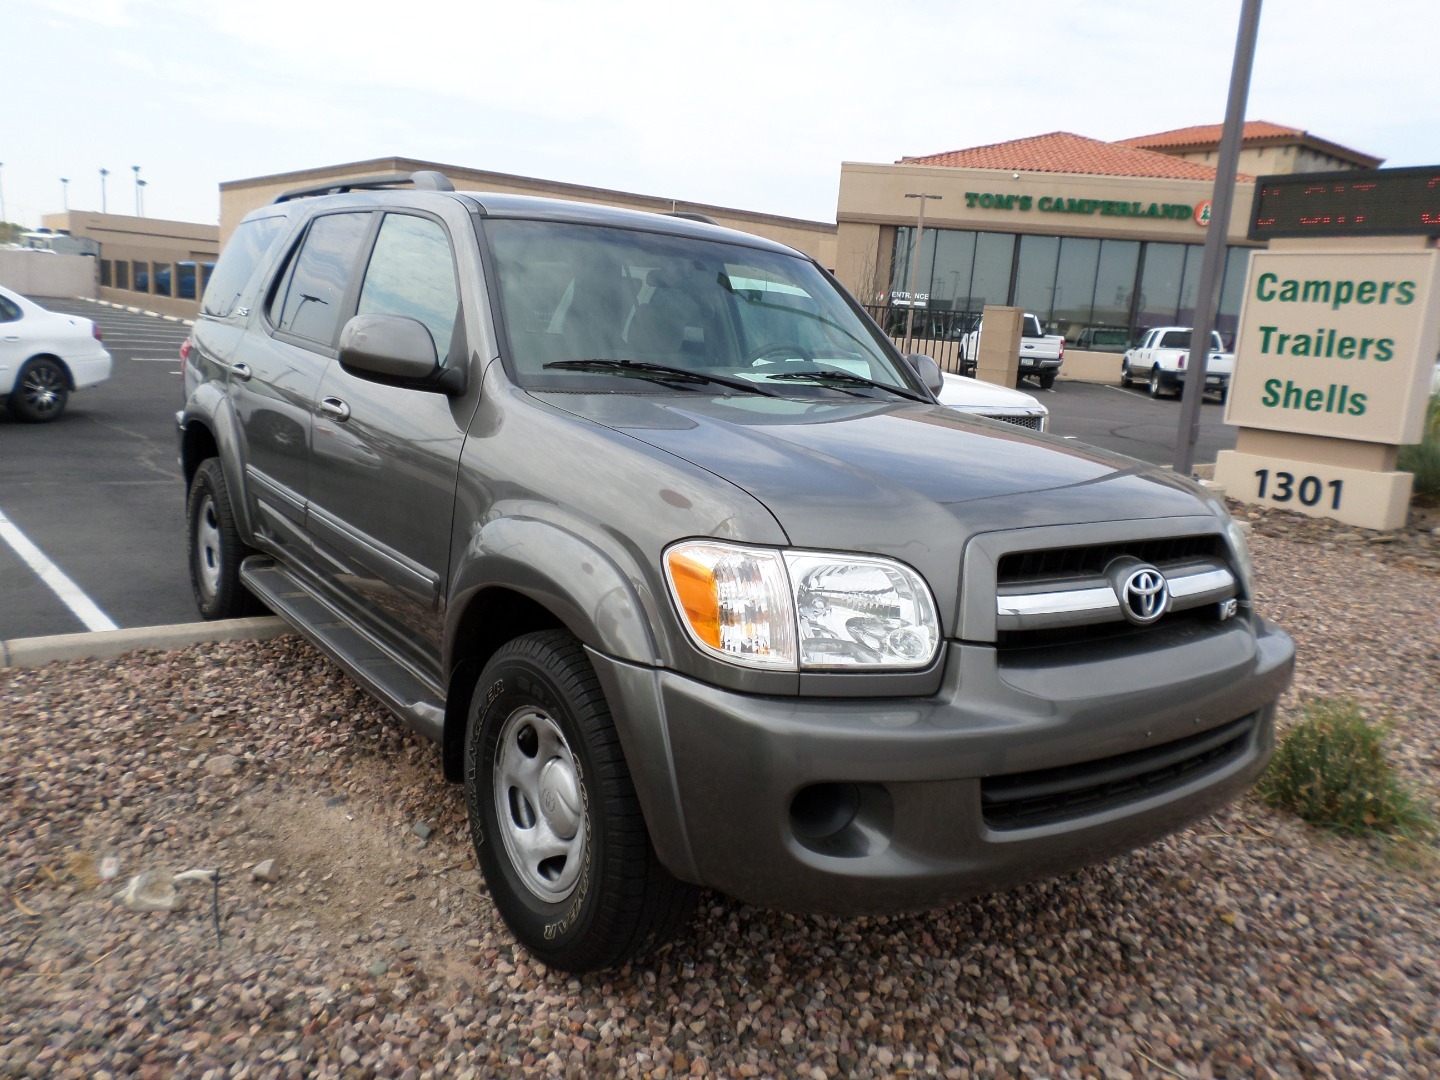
{"type": "Point", "coordinates": [41, 390]}
{"type": "Point", "coordinates": [553, 813]}
{"type": "Point", "coordinates": [1047, 380]}
{"type": "Point", "coordinates": [1155, 387]}
{"type": "Point", "coordinates": [1125, 379]}
{"type": "Point", "coordinates": [216, 550]}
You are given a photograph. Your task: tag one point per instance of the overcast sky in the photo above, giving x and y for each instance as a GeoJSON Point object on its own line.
{"type": "Point", "coordinates": [749, 105]}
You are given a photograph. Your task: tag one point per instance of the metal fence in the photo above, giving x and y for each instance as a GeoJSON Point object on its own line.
{"type": "Point", "coordinates": [942, 335]}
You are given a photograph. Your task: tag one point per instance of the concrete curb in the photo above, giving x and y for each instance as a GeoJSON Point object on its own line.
{"type": "Point", "coordinates": [37, 651]}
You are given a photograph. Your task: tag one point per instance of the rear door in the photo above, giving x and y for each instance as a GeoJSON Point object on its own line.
{"type": "Point", "coordinates": [275, 377]}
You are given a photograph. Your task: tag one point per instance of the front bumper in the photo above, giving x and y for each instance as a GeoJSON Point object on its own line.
{"type": "Point", "coordinates": [867, 805]}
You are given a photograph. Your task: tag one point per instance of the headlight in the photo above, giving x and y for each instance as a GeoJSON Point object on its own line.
{"type": "Point", "coordinates": [803, 610]}
{"type": "Point", "coordinates": [1241, 550]}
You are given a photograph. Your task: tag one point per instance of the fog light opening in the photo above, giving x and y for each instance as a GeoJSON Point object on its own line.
{"type": "Point", "coordinates": [821, 811]}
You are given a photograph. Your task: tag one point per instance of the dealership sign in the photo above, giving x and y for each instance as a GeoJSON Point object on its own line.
{"type": "Point", "coordinates": [1055, 204]}
{"type": "Point", "coordinates": [1337, 344]}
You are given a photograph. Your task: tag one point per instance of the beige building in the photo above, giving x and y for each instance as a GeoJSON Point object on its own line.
{"type": "Point", "coordinates": [1099, 240]}
{"type": "Point", "coordinates": [239, 197]}
{"type": "Point", "coordinates": [146, 262]}
{"type": "Point", "coordinates": [1266, 149]}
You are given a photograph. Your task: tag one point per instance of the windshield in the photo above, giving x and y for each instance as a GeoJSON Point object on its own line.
{"type": "Point", "coordinates": [587, 293]}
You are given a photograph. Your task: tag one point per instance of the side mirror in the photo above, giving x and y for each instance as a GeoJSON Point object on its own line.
{"type": "Point", "coordinates": [395, 348]}
{"type": "Point", "coordinates": [928, 370]}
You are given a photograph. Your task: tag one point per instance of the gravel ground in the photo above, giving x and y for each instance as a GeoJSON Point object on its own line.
{"type": "Point", "coordinates": [1248, 945]}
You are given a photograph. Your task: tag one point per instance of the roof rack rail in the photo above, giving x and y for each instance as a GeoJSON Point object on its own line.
{"type": "Point", "coordinates": [690, 215]}
{"type": "Point", "coordinates": [423, 180]}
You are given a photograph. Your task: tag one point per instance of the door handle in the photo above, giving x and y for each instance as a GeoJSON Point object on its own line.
{"type": "Point", "coordinates": [12, 337]}
{"type": "Point", "coordinates": [335, 409]}
{"type": "Point", "coordinates": [241, 371]}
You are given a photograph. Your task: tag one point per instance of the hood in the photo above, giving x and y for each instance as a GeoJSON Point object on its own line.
{"type": "Point", "coordinates": [891, 478]}
{"type": "Point", "coordinates": [961, 392]}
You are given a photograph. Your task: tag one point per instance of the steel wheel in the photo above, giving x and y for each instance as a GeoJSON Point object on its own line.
{"type": "Point", "coordinates": [40, 391]}
{"type": "Point", "coordinates": [207, 548]}
{"type": "Point", "coordinates": [539, 805]}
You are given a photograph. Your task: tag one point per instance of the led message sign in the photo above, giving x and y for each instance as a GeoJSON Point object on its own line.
{"type": "Point", "coordinates": [1373, 202]}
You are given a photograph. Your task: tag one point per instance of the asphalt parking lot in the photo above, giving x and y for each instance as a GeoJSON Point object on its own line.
{"type": "Point", "coordinates": [99, 495]}
{"type": "Point", "coordinates": [98, 492]}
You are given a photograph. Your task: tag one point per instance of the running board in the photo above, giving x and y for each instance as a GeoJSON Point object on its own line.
{"type": "Point", "coordinates": [418, 702]}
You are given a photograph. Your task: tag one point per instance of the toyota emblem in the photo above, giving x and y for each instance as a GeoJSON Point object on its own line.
{"type": "Point", "coordinates": [1145, 595]}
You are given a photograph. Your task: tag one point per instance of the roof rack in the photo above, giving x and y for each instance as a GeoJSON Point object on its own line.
{"type": "Point", "coordinates": [690, 215]}
{"type": "Point", "coordinates": [424, 180]}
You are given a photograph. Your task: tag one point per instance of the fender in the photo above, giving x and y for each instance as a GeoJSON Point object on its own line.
{"type": "Point", "coordinates": [209, 408]}
{"type": "Point", "coordinates": [581, 585]}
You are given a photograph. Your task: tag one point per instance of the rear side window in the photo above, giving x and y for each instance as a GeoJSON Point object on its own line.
{"type": "Point", "coordinates": [9, 312]}
{"type": "Point", "coordinates": [307, 303]}
{"type": "Point", "coordinates": [242, 254]}
{"type": "Point", "coordinates": [412, 272]}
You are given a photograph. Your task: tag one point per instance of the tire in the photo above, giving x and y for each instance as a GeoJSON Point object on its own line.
{"type": "Point", "coordinates": [215, 548]}
{"type": "Point", "coordinates": [41, 390]}
{"type": "Point", "coordinates": [1047, 380]}
{"type": "Point", "coordinates": [1155, 387]}
{"type": "Point", "coordinates": [1125, 379]}
{"type": "Point", "coordinates": [563, 843]}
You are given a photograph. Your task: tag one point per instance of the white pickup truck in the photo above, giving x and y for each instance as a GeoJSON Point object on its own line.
{"type": "Point", "coordinates": [1160, 358]}
{"type": "Point", "coordinates": [1041, 354]}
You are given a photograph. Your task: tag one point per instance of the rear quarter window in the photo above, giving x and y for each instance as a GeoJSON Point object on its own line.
{"type": "Point", "coordinates": [238, 262]}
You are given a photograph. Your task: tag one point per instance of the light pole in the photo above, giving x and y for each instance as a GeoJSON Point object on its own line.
{"type": "Point", "coordinates": [65, 193]}
{"type": "Point", "coordinates": [1212, 262]}
{"type": "Point", "coordinates": [140, 198]}
{"type": "Point", "coordinates": [103, 174]}
{"type": "Point", "coordinates": [136, 170]}
{"type": "Point", "coordinates": [915, 260]}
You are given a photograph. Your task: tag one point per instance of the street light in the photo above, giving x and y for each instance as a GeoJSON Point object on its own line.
{"type": "Point", "coordinates": [915, 259]}
{"type": "Point", "coordinates": [65, 193]}
{"type": "Point", "coordinates": [136, 170]}
{"type": "Point", "coordinates": [140, 198]}
{"type": "Point", "coordinates": [103, 174]}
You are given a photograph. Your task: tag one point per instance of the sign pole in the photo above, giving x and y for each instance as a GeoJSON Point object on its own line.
{"type": "Point", "coordinates": [915, 265]}
{"type": "Point", "coordinates": [1213, 262]}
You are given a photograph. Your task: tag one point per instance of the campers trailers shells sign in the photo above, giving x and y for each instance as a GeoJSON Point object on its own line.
{"type": "Point", "coordinates": [1337, 344]}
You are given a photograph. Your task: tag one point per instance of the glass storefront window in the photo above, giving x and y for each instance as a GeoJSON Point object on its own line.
{"type": "Point", "coordinates": [1035, 276]}
{"type": "Point", "coordinates": [1074, 286]}
{"type": "Point", "coordinates": [954, 262]}
{"type": "Point", "coordinates": [990, 284]}
{"type": "Point", "coordinates": [1160, 284]}
{"type": "Point", "coordinates": [1115, 283]}
{"type": "Point", "coordinates": [1190, 284]}
{"type": "Point", "coordinates": [1232, 289]}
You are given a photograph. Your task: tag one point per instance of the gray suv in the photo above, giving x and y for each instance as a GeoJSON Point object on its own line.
{"type": "Point", "coordinates": [653, 531]}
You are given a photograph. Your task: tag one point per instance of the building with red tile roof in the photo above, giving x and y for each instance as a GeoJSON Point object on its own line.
{"type": "Point", "coordinates": [1265, 148]}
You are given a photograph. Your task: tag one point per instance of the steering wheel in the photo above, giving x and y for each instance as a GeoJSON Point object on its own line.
{"type": "Point", "coordinates": [780, 350]}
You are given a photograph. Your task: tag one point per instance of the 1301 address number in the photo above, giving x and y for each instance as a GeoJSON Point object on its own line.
{"type": "Point", "coordinates": [1284, 487]}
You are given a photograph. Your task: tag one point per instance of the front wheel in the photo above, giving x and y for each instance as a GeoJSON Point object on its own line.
{"type": "Point", "coordinates": [41, 390]}
{"type": "Point", "coordinates": [553, 813]}
{"type": "Point", "coordinates": [216, 550]}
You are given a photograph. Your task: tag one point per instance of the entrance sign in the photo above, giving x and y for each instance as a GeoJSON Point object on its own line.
{"type": "Point", "coordinates": [1338, 344]}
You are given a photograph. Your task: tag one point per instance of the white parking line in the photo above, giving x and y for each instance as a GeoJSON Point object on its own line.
{"type": "Point", "coordinates": [69, 593]}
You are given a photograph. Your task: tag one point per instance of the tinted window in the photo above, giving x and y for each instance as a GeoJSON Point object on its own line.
{"type": "Point", "coordinates": [9, 311]}
{"type": "Point", "coordinates": [307, 303]}
{"type": "Point", "coordinates": [411, 272]}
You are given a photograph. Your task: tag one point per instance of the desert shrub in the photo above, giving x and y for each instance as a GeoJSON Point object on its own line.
{"type": "Point", "coordinates": [1331, 769]}
{"type": "Point", "coordinates": [1423, 459]}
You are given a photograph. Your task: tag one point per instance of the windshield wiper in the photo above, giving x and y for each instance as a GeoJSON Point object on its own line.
{"type": "Point", "coordinates": [842, 379]}
{"type": "Point", "coordinates": [659, 373]}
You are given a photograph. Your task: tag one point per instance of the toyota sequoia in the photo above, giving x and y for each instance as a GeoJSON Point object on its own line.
{"type": "Point", "coordinates": [678, 560]}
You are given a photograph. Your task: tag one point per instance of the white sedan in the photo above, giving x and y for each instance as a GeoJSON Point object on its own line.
{"type": "Point", "coordinates": [44, 355]}
{"type": "Point", "coordinates": [996, 402]}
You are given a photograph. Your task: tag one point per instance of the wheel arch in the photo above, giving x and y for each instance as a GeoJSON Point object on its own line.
{"type": "Point", "coordinates": [47, 355]}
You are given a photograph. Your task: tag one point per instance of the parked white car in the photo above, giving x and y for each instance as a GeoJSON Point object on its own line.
{"type": "Point", "coordinates": [996, 402]}
{"type": "Point", "coordinates": [44, 355]}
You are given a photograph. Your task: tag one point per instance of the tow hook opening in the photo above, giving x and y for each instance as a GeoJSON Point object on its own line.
{"type": "Point", "coordinates": [843, 820]}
